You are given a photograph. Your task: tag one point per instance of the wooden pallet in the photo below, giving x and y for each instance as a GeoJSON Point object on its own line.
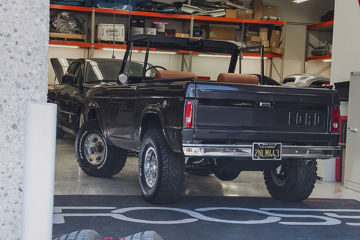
{"type": "Point", "coordinates": [67, 36]}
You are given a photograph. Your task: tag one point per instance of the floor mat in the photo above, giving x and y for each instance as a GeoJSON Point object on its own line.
{"type": "Point", "coordinates": [203, 218]}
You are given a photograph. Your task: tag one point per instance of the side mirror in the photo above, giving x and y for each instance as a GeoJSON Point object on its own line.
{"type": "Point", "coordinates": [68, 79]}
{"type": "Point", "coordinates": [123, 79]}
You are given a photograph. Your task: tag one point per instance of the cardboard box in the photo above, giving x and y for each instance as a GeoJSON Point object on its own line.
{"type": "Point", "coordinates": [267, 49]}
{"type": "Point", "coordinates": [277, 50]}
{"type": "Point", "coordinates": [182, 35]}
{"type": "Point", "coordinates": [265, 43]}
{"type": "Point", "coordinates": [275, 38]}
{"type": "Point", "coordinates": [245, 14]}
{"type": "Point", "coordinates": [109, 32]}
{"type": "Point", "coordinates": [270, 11]}
{"type": "Point", "coordinates": [255, 39]}
{"type": "Point", "coordinates": [257, 6]}
{"type": "Point", "coordinates": [222, 33]}
{"type": "Point", "coordinates": [249, 34]}
{"type": "Point", "coordinates": [230, 13]}
{"type": "Point", "coordinates": [263, 34]}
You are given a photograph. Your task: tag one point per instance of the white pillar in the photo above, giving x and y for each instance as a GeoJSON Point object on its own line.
{"type": "Point", "coordinates": [39, 170]}
{"type": "Point", "coordinates": [24, 30]}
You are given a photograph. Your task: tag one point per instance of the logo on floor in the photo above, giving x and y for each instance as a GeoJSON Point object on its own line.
{"type": "Point", "coordinates": [300, 216]}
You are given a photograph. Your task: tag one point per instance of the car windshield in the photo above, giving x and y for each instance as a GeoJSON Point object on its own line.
{"type": "Point", "coordinates": [108, 70]}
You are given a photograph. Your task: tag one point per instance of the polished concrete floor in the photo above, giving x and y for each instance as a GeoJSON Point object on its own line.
{"type": "Point", "coordinates": [70, 180]}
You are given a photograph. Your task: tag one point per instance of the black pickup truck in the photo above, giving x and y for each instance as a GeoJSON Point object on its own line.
{"type": "Point", "coordinates": [227, 126]}
{"type": "Point", "coordinates": [75, 77]}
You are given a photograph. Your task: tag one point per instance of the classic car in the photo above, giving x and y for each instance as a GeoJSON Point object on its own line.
{"type": "Point", "coordinates": [229, 125]}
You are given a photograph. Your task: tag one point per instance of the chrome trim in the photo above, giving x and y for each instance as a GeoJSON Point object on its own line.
{"type": "Point", "coordinates": [245, 151]}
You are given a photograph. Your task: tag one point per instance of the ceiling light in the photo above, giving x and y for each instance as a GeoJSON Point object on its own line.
{"type": "Point", "coordinates": [299, 1]}
{"type": "Point", "coordinates": [249, 57]}
{"type": "Point", "coordinates": [62, 46]}
{"type": "Point", "coordinates": [210, 55]}
{"type": "Point", "coordinates": [327, 60]}
{"type": "Point", "coordinates": [159, 52]}
{"type": "Point", "coordinates": [114, 49]}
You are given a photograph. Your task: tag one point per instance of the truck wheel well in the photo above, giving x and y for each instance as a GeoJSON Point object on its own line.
{"type": "Point", "coordinates": [150, 121]}
{"type": "Point", "coordinates": [92, 114]}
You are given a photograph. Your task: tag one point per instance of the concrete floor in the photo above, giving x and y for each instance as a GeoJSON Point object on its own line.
{"type": "Point", "coordinates": [70, 180]}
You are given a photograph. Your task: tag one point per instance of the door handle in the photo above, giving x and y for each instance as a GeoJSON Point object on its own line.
{"type": "Point", "coordinates": [355, 130]}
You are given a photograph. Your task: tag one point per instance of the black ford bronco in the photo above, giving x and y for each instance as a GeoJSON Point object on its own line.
{"type": "Point", "coordinates": [177, 122]}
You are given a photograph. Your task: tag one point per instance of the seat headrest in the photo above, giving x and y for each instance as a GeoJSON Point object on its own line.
{"type": "Point", "coordinates": [238, 78]}
{"type": "Point", "coordinates": [165, 74]}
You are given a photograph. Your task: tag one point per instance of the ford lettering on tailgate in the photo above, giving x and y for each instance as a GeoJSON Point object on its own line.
{"type": "Point", "coordinates": [311, 119]}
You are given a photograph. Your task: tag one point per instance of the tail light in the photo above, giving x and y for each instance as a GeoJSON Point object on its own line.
{"type": "Point", "coordinates": [335, 120]}
{"type": "Point", "coordinates": [188, 114]}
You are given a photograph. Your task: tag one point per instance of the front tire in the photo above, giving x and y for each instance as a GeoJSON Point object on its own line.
{"type": "Point", "coordinates": [94, 155]}
{"type": "Point", "coordinates": [293, 183]}
{"type": "Point", "coordinates": [161, 171]}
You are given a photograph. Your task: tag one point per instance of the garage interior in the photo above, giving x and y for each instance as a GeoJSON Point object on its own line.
{"type": "Point", "coordinates": [301, 39]}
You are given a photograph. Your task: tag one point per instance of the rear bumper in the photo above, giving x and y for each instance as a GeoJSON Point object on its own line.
{"type": "Point", "coordinates": [245, 151]}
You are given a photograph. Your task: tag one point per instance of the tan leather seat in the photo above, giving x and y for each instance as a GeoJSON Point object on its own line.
{"type": "Point", "coordinates": [238, 78]}
{"type": "Point", "coordinates": [165, 74]}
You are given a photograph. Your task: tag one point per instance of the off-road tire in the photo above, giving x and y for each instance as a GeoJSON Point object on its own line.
{"type": "Point", "coordinates": [114, 160]}
{"type": "Point", "coordinates": [81, 235]}
{"type": "Point", "coordinates": [170, 174]}
{"type": "Point", "coordinates": [297, 187]}
{"type": "Point", "coordinates": [226, 175]}
{"type": "Point", "coordinates": [148, 235]}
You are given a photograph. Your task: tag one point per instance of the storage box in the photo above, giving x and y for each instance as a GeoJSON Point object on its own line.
{"type": "Point", "coordinates": [137, 30]}
{"type": "Point", "coordinates": [277, 50]}
{"type": "Point", "coordinates": [150, 31]}
{"type": "Point", "coordinates": [222, 33]}
{"type": "Point", "coordinates": [263, 34]}
{"type": "Point", "coordinates": [249, 34]}
{"type": "Point", "coordinates": [265, 43]}
{"type": "Point", "coordinates": [182, 35]}
{"type": "Point", "coordinates": [270, 11]}
{"type": "Point", "coordinates": [258, 9]}
{"type": "Point", "coordinates": [255, 39]}
{"type": "Point", "coordinates": [111, 32]}
{"type": "Point", "coordinates": [229, 13]}
{"type": "Point", "coordinates": [245, 14]}
{"type": "Point", "coordinates": [275, 38]}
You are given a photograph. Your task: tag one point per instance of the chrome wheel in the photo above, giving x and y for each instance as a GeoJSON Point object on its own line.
{"type": "Point", "coordinates": [150, 167]}
{"type": "Point", "coordinates": [95, 149]}
{"type": "Point", "coordinates": [279, 175]}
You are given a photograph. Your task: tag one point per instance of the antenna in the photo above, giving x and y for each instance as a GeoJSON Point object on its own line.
{"type": "Point", "coordinates": [113, 53]}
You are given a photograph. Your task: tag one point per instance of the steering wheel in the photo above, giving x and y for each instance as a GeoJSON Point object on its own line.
{"type": "Point", "coordinates": [156, 67]}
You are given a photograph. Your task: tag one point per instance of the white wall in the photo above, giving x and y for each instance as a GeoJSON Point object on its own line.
{"type": "Point", "coordinates": [346, 52]}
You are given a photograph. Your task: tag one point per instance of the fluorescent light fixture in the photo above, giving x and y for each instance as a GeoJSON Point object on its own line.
{"type": "Point", "coordinates": [159, 52]}
{"type": "Point", "coordinates": [250, 57]}
{"type": "Point", "coordinates": [299, 1]}
{"type": "Point", "coordinates": [115, 49]}
{"type": "Point", "coordinates": [218, 56]}
{"type": "Point", "coordinates": [327, 60]}
{"type": "Point", "coordinates": [62, 46]}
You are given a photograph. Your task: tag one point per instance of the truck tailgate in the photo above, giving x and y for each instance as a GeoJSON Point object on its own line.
{"type": "Point", "coordinates": [229, 112]}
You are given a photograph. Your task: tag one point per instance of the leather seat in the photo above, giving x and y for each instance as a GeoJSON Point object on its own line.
{"type": "Point", "coordinates": [165, 74]}
{"type": "Point", "coordinates": [238, 78]}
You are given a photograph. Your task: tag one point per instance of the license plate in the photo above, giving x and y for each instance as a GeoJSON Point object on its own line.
{"type": "Point", "coordinates": [266, 151]}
